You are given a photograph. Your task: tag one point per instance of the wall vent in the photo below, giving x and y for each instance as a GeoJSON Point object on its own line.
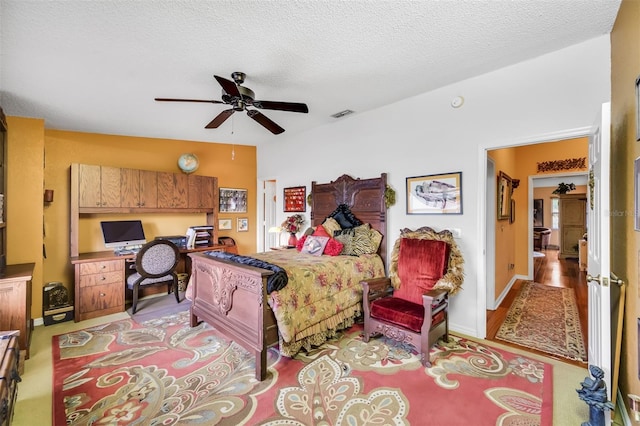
{"type": "Point", "coordinates": [342, 113]}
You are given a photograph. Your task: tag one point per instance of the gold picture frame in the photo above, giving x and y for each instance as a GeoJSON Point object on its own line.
{"type": "Point", "coordinates": [435, 194]}
{"type": "Point", "coordinates": [505, 187]}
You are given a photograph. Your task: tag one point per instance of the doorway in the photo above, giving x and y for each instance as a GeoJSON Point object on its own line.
{"type": "Point", "coordinates": [490, 297]}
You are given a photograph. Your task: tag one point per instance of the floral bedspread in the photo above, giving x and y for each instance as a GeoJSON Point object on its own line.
{"type": "Point", "coordinates": [320, 289]}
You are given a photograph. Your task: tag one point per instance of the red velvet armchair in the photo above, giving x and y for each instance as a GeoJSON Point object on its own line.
{"type": "Point", "coordinates": [411, 306]}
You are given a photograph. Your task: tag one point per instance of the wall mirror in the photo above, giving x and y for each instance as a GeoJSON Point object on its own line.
{"type": "Point", "coordinates": [504, 196]}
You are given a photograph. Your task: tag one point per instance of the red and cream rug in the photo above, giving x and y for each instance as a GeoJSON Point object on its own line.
{"type": "Point", "coordinates": [164, 372]}
{"type": "Point", "coordinates": [545, 318]}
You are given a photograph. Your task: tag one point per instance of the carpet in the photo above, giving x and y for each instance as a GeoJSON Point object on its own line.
{"type": "Point", "coordinates": [155, 307]}
{"type": "Point", "coordinates": [164, 372]}
{"type": "Point", "coordinates": [545, 318]}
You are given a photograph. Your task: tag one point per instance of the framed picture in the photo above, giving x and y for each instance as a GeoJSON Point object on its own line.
{"type": "Point", "coordinates": [636, 192]}
{"type": "Point", "coordinates": [512, 214]}
{"type": "Point", "coordinates": [435, 194]}
{"type": "Point", "coordinates": [504, 196]}
{"type": "Point", "coordinates": [295, 199]}
{"type": "Point", "coordinates": [224, 224]}
{"type": "Point", "coordinates": [538, 212]}
{"type": "Point", "coordinates": [243, 224]}
{"type": "Point", "coordinates": [233, 200]}
{"type": "Point", "coordinates": [638, 108]}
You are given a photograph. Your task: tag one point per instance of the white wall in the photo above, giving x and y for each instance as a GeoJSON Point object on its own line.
{"type": "Point", "coordinates": [424, 135]}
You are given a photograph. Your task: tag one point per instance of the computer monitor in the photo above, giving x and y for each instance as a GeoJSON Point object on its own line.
{"type": "Point", "coordinates": [122, 234]}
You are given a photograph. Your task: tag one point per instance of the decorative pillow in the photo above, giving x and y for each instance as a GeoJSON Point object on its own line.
{"type": "Point", "coordinates": [333, 248]}
{"type": "Point", "coordinates": [362, 242]}
{"type": "Point", "coordinates": [309, 231]}
{"type": "Point", "coordinates": [331, 226]}
{"type": "Point", "coordinates": [321, 232]}
{"type": "Point", "coordinates": [314, 245]}
{"type": "Point", "coordinates": [345, 237]}
{"type": "Point", "coordinates": [300, 243]}
{"type": "Point", "coordinates": [344, 217]}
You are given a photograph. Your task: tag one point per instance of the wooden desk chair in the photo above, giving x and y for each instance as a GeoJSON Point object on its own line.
{"type": "Point", "coordinates": [156, 263]}
{"type": "Point", "coordinates": [411, 306]}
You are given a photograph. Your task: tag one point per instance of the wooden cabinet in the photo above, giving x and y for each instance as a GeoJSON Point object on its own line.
{"type": "Point", "coordinates": [172, 190]}
{"type": "Point", "coordinates": [102, 189]}
{"type": "Point", "coordinates": [99, 186]}
{"type": "Point", "coordinates": [99, 285]}
{"type": "Point", "coordinates": [573, 223]}
{"type": "Point", "coordinates": [15, 303]}
{"type": "Point", "coordinates": [9, 376]}
{"type": "Point", "coordinates": [139, 188]}
{"type": "Point", "coordinates": [201, 192]}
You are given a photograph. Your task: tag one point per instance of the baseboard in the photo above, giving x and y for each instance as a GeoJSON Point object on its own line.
{"type": "Point", "coordinates": [505, 291]}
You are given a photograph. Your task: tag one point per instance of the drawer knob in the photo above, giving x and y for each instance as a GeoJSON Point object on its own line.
{"type": "Point", "coordinates": [103, 278]}
{"type": "Point", "coordinates": [102, 295]}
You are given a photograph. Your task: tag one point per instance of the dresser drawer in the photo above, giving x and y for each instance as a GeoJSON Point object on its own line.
{"type": "Point", "coordinates": [101, 279]}
{"type": "Point", "coordinates": [100, 298]}
{"type": "Point", "coordinates": [101, 267]}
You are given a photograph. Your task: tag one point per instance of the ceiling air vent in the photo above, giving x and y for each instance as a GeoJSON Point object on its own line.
{"type": "Point", "coordinates": [342, 113]}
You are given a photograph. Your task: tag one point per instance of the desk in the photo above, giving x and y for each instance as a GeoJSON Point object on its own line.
{"type": "Point", "coordinates": [100, 280]}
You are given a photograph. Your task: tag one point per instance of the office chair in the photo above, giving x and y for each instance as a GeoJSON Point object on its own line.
{"type": "Point", "coordinates": [156, 263]}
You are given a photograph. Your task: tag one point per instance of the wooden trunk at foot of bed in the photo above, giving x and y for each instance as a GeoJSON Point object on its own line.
{"type": "Point", "coordinates": [232, 299]}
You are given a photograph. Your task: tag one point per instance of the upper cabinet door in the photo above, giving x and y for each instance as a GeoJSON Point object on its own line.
{"type": "Point", "coordinates": [201, 192]}
{"type": "Point", "coordinates": [172, 190]}
{"type": "Point", "coordinates": [130, 188]}
{"type": "Point", "coordinates": [89, 182]}
{"type": "Point", "coordinates": [148, 189]}
{"type": "Point", "coordinates": [110, 186]}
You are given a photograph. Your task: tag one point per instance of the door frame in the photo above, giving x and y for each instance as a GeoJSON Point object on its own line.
{"type": "Point", "coordinates": [484, 256]}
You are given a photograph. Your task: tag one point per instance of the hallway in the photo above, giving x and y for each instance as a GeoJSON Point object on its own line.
{"type": "Point", "coordinates": [552, 271]}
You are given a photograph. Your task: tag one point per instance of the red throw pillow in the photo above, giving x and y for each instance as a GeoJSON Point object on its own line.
{"type": "Point", "coordinates": [333, 247]}
{"type": "Point", "coordinates": [321, 232]}
{"type": "Point", "coordinates": [301, 241]}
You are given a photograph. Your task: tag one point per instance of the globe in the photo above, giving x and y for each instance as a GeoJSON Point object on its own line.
{"type": "Point", "coordinates": [188, 163]}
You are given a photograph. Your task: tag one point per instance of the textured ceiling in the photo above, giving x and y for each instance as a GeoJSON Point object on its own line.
{"type": "Point", "coordinates": [96, 66]}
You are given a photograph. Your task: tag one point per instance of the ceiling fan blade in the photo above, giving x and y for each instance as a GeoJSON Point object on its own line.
{"type": "Point", "coordinates": [220, 118]}
{"type": "Point", "coordinates": [282, 106]}
{"type": "Point", "coordinates": [228, 86]}
{"type": "Point", "coordinates": [265, 121]}
{"type": "Point", "coordinates": [188, 100]}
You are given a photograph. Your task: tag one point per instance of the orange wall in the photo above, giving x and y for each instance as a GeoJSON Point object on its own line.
{"type": "Point", "coordinates": [51, 169]}
{"type": "Point", "coordinates": [625, 241]}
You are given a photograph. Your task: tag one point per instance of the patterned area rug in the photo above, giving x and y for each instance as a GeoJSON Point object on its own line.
{"type": "Point", "coordinates": [545, 318]}
{"type": "Point", "coordinates": [164, 372]}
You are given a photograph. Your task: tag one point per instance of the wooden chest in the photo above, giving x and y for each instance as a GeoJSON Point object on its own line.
{"type": "Point", "coordinates": [9, 376]}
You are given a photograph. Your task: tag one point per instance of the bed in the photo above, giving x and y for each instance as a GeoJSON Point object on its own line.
{"type": "Point", "coordinates": [233, 297]}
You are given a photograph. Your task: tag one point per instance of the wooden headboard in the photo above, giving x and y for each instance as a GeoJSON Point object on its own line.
{"type": "Point", "coordinates": [365, 198]}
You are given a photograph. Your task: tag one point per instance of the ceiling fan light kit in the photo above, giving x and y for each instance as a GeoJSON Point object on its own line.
{"type": "Point", "coordinates": [240, 98]}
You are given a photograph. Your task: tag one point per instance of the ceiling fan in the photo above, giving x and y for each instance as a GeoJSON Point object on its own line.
{"type": "Point", "coordinates": [240, 97]}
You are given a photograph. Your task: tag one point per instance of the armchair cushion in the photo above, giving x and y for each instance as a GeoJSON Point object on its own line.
{"type": "Point", "coordinates": [421, 263]}
{"type": "Point", "coordinates": [402, 313]}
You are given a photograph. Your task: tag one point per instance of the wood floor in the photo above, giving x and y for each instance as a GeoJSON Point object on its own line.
{"type": "Point", "coordinates": [551, 271]}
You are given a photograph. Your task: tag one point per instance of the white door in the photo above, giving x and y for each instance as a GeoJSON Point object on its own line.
{"type": "Point", "coordinates": [598, 243]}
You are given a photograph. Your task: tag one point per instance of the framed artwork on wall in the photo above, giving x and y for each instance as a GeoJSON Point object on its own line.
{"type": "Point", "coordinates": [233, 200]}
{"type": "Point", "coordinates": [538, 212]}
{"type": "Point", "coordinates": [224, 224]}
{"type": "Point", "coordinates": [638, 108]}
{"type": "Point", "coordinates": [243, 224]}
{"type": "Point", "coordinates": [295, 199]}
{"type": "Point", "coordinates": [504, 196]}
{"type": "Point", "coordinates": [636, 193]}
{"type": "Point", "coordinates": [435, 194]}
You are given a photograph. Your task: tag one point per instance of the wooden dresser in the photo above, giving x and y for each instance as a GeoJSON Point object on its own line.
{"type": "Point", "coordinates": [15, 303]}
{"type": "Point", "coordinates": [9, 376]}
